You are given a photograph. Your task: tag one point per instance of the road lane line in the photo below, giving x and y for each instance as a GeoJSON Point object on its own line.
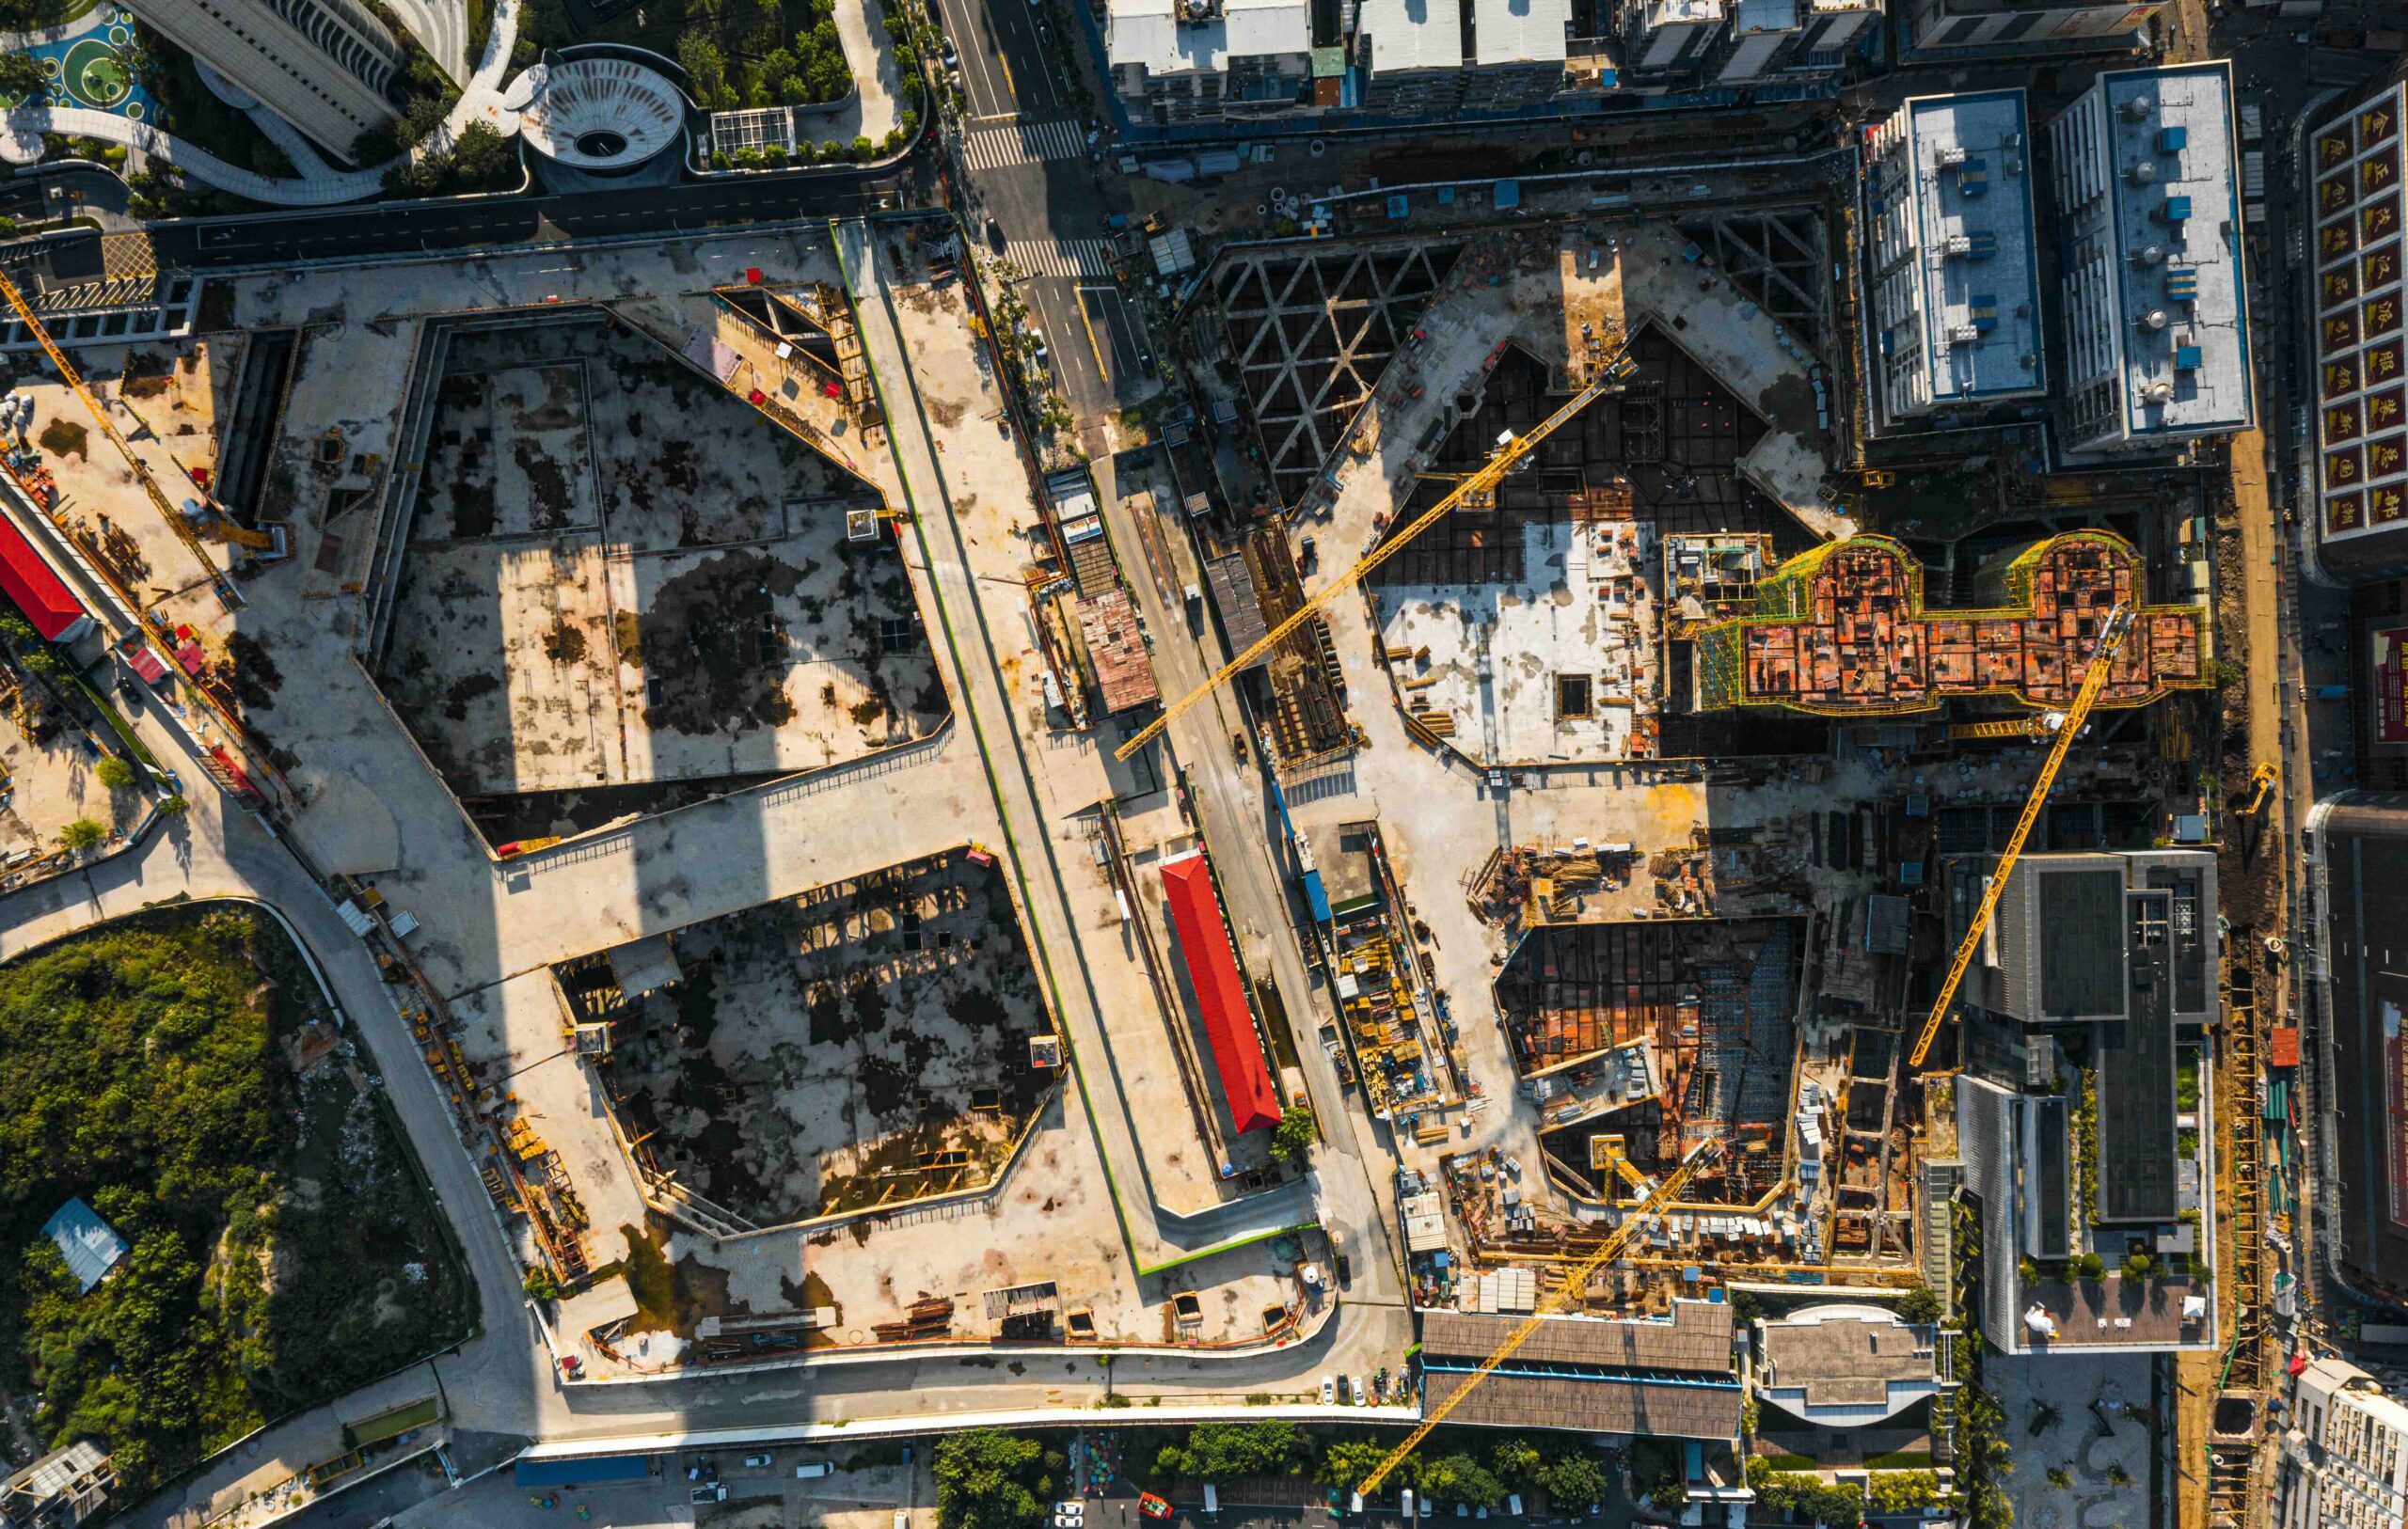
{"type": "Point", "coordinates": [1079, 298]}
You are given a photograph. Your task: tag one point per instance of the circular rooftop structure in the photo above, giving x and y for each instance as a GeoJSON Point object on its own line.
{"type": "Point", "coordinates": [602, 115]}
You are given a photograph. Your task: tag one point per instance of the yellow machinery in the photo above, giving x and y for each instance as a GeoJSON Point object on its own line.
{"type": "Point", "coordinates": [2102, 658]}
{"type": "Point", "coordinates": [1607, 379]}
{"type": "Point", "coordinates": [2019, 727]}
{"type": "Point", "coordinates": [1575, 1283]}
{"type": "Point", "coordinates": [1610, 1154]}
{"type": "Point", "coordinates": [2263, 781]}
{"type": "Point", "coordinates": [74, 380]}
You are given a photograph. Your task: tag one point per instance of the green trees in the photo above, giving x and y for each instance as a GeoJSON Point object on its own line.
{"type": "Point", "coordinates": [706, 69]}
{"type": "Point", "coordinates": [1797, 1495]}
{"type": "Point", "coordinates": [1293, 1139]}
{"type": "Point", "coordinates": [1344, 1463]}
{"type": "Point", "coordinates": [114, 773]}
{"type": "Point", "coordinates": [1216, 1450]}
{"type": "Point", "coordinates": [145, 1074]}
{"type": "Point", "coordinates": [20, 76]}
{"type": "Point", "coordinates": [989, 1480]}
{"type": "Point", "coordinates": [81, 834]}
{"type": "Point", "coordinates": [1461, 1478]}
{"type": "Point", "coordinates": [1920, 1305]}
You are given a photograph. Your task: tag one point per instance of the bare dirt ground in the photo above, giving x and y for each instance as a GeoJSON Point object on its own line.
{"type": "Point", "coordinates": [620, 574]}
{"type": "Point", "coordinates": [816, 1056]}
{"type": "Point", "coordinates": [48, 783]}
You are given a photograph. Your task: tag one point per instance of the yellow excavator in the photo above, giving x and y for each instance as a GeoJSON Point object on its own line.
{"type": "Point", "coordinates": [2103, 661]}
{"type": "Point", "coordinates": [2261, 781]}
{"type": "Point", "coordinates": [1575, 1285]}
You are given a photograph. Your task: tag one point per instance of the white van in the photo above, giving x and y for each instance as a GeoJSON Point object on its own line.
{"type": "Point", "coordinates": [814, 1470]}
{"type": "Point", "coordinates": [1212, 1500]}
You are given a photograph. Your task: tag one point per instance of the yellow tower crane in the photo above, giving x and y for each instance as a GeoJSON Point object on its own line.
{"type": "Point", "coordinates": [2103, 659]}
{"type": "Point", "coordinates": [1575, 1285]}
{"type": "Point", "coordinates": [1607, 379]}
{"type": "Point", "coordinates": [74, 380]}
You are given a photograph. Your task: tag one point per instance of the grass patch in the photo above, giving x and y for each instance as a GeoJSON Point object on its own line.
{"type": "Point", "coordinates": [1792, 1462]}
{"type": "Point", "coordinates": [651, 1280]}
{"type": "Point", "coordinates": [1897, 1459]}
{"type": "Point", "coordinates": [282, 1248]}
{"type": "Point", "coordinates": [117, 724]}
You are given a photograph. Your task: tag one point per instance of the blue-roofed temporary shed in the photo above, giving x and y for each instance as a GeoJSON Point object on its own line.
{"type": "Point", "coordinates": [87, 1243]}
{"type": "Point", "coordinates": [584, 1471]}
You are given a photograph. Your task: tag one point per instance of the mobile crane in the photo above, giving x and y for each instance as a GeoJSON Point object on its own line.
{"type": "Point", "coordinates": [2103, 659]}
{"type": "Point", "coordinates": [1575, 1283]}
{"type": "Point", "coordinates": [1608, 378]}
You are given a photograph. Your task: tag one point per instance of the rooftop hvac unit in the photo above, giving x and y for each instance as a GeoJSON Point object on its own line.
{"type": "Point", "coordinates": [1957, 245]}
{"type": "Point", "coordinates": [2142, 173]}
{"type": "Point", "coordinates": [2154, 320]}
{"type": "Point", "coordinates": [1952, 155]}
{"type": "Point", "coordinates": [1963, 334]}
{"type": "Point", "coordinates": [2158, 392]}
{"type": "Point", "coordinates": [2150, 256]}
{"type": "Point", "coordinates": [2135, 108]}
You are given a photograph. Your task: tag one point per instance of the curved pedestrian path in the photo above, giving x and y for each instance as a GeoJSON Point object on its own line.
{"type": "Point", "coordinates": [481, 100]}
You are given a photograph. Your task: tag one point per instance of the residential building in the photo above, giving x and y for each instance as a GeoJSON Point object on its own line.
{"type": "Point", "coordinates": [1955, 31]}
{"type": "Point", "coordinates": [1742, 42]}
{"type": "Point", "coordinates": [2156, 307]}
{"type": "Point", "coordinates": [1669, 37]}
{"type": "Point", "coordinates": [2361, 383]}
{"type": "Point", "coordinates": [64, 1488]}
{"type": "Point", "coordinates": [1209, 61]}
{"type": "Point", "coordinates": [2358, 869]}
{"type": "Point", "coordinates": [1953, 309]}
{"type": "Point", "coordinates": [325, 66]}
{"type": "Point", "coordinates": [1845, 1365]}
{"type": "Point", "coordinates": [2344, 1460]}
{"type": "Point", "coordinates": [2083, 1015]}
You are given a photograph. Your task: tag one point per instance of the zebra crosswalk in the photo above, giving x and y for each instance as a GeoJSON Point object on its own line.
{"type": "Point", "coordinates": [996, 146]}
{"type": "Point", "coordinates": [1075, 259]}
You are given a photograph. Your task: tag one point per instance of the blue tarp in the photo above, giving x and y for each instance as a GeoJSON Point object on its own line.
{"type": "Point", "coordinates": [580, 1472]}
{"type": "Point", "coordinates": [1315, 898]}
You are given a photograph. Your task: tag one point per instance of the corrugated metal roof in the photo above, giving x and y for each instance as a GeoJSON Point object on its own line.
{"type": "Point", "coordinates": [1234, 597]}
{"type": "Point", "coordinates": [1122, 671]}
{"type": "Point", "coordinates": [1521, 31]}
{"type": "Point", "coordinates": [1220, 992]}
{"type": "Point", "coordinates": [87, 1242]}
{"type": "Point", "coordinates": [40, 593]}
{"type": "Point", "coordinates": [1604, 1405]}
{"type": "Point", "coordinates": [1413, 34]}
{"type": "Point", "coordinates": [1697, 1338]}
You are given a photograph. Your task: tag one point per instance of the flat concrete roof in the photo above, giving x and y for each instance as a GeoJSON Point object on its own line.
{"type": "Point", "coordinates": [1972, 182]}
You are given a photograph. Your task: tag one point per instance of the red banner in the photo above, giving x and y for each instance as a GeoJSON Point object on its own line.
{"type": "Point", "coordinates": [2396, 1113]}
{"type": "Point", "coordinates": [2390, 708]}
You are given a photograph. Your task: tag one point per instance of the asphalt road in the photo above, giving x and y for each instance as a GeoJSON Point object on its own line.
{"type": "Point", "coordinates": [400, 227]}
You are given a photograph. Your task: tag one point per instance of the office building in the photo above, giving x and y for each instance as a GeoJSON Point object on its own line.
{"type": "Point", "coordinates": [2086, 1003]}
{"type": "Point", "coordinates": [2344, 1460]}
{"type": "Point", "coordinates": [2357, 871]}
{"type": "Point", "coordinates": [2156, 306]}
{"type": "Point", "coordinates": [2360, 387]}
{"type": "Point", "coordinates": [1210, 60]}
{"type": "Point", "coordinates": [1846, 1366]}
{"type": "Point", "coordinates": [325, 66]}
{"type": "Point", "coordinates": [1959, 31]}
{"type": "Point", "coordinates": [1667, 38]}
{"type": "Point", "coordinates": [1953, 295]}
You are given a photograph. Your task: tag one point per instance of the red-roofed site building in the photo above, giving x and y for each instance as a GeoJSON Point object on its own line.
{"type": "Point", "coordinates": [1220, 991]}
{"type": "Point", "coordinates": [38, 591]}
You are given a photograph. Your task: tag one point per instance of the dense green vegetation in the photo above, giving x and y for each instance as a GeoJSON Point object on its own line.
{"type": "Point", "coordinates": [281, 1249]}
{"type": "Point", "coordinates": [989, 1480]}
{"type": "Point", "coordinates": [1293, 1139]}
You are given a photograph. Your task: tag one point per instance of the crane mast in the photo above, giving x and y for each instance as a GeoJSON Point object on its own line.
{"type": "Point", "coordinates": [2103, 659]}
